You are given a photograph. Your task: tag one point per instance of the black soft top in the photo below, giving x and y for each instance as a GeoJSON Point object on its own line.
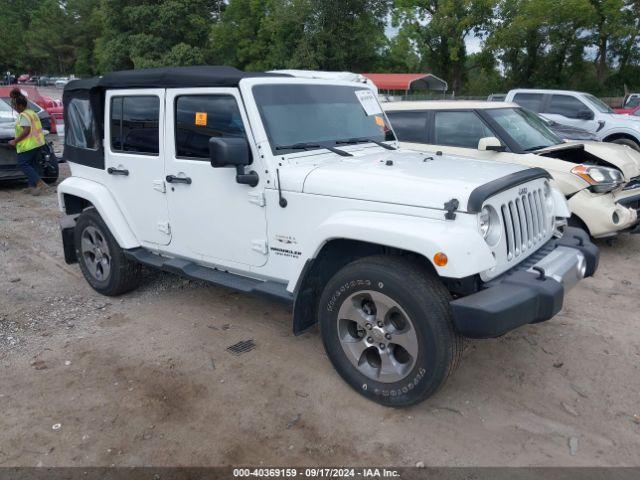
{"type": "Point", "coordinates": [93, 90]}
{"type": "Point", "coordinates": [168, 77]}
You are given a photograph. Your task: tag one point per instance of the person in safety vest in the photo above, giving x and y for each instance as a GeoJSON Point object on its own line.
{"type": "Point", "coordinates": [28, 142]}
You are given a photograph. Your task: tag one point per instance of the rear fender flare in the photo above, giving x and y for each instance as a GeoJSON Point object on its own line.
{"type": "Point", "coordinates": [98, 195]}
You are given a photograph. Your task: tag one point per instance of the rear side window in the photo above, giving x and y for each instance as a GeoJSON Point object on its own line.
{"type": "Point", "coordinates": [409, 126]}
{"type": "Point", "coordinates": [459, 129]}
{"type": "Point", "coordinates": [200, 117]}
{"type": "Point", "coordinates": [135, 124]}
{"type": "Point", "coordinates": [566, 106]}
{"type": "Point", "coordinates": [531, 101]}
{"type": "Point", "coordinates": [80, 126]}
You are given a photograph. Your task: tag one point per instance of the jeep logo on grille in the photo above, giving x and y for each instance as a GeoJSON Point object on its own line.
{"type": "Point", "coordinates": [523, 191]}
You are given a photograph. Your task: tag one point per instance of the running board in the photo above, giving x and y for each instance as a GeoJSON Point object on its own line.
{"type": "Point", "coordinates": [210, 275]}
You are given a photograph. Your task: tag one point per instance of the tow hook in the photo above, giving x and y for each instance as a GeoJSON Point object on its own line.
{"type": "Point", "coordinates": [541, 271]}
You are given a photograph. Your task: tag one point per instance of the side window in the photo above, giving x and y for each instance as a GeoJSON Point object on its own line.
{"type": "Point", "coordinates": [459, 129]}
{"type": "Point", "coordinates": [531, 101]}
{"type": "Point", "coordinates": [566, 106]}
{"type": "Point", "coordinates": [409, 126]}
{"type": "Point", "coordinates": [135, 124]}
{"type": "Point", "coordinates": [80, 128]}
{"type": "Point", "coordinates": [200, 117]}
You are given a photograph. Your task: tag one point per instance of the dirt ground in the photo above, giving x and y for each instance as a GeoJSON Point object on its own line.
{"type": "Point", "coordinates": [146, 379]}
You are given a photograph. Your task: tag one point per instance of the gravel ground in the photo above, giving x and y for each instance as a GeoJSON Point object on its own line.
{"type": "Point", "coordinates": [145, 379]}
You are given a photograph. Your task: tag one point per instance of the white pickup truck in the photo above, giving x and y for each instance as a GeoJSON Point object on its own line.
{"type": "Point", "coordinates": [582, 110]}
{"type": "Point", "coordinates": [295, 188]}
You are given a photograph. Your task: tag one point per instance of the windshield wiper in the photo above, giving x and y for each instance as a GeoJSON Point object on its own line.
{"type": "Point", "coordinates": [312, 146]}
{"type": "Point", "coordinates": [538, 147]}
{"type": "Point", "coordinates": [351, 141]}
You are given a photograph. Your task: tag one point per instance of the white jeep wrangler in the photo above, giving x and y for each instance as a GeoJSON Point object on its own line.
{"type": "Point", "coordinates": [294, 188]}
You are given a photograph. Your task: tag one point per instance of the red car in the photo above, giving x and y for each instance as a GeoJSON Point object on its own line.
{"type": "Point", "coordinates": [629, 111]}
{"type": "Point", "coordinates": [631, 106]}
{"type": "Point", "coordinates": [53, 107]}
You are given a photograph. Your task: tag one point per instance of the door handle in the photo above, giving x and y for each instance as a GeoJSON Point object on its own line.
{"type": "Point", "coordinates": [117, 171]}
{"type": "Point", "coordinates": [174, 179]}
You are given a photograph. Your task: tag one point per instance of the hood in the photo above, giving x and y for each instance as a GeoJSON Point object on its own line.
{"type": "Point", "coordinates": [571, 133]}
{"type": "Point", "coordinates": [621, 157]}
{"type": "Point", "coordinates": [619, 117]}
{"type": "Point", "coordinates": [403, 177]}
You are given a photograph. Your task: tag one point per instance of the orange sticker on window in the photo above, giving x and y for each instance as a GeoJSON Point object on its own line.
{"type": "Point", "coordinates": [379, 121]}
{"type": "Point", "coordinates": [201, 119]}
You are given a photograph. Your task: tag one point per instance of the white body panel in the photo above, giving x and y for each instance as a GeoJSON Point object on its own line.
{"type": "Point", "coordinates": [144, 207]}
{"type": "Point", "coordinates": [213, 219]}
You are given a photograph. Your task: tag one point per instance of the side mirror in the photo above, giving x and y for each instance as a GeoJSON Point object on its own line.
{"type": "Point", "coordinates": [491, 144]}
{"type": "Point", "coordinates": [233, 152]}
{"type": "Point", "coordinates": [584, 115]}
{"type": "Point", "coordinates": [229, 152]}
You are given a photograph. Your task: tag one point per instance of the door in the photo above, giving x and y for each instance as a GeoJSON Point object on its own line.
{"type": "Point", "coordinates": [570, 110]}
{"type": "Point", "coordinates": [134, 159]}
{"type": "Point", "coordinates": [212, 216]}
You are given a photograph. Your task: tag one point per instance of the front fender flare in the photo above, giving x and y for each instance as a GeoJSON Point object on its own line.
{"type": "Point", "coordinates": [106, 205]}
{"type": "Point", "coordinates": [466, 250]}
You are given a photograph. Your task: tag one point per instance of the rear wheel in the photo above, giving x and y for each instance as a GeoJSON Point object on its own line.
{"type": "Point", "coordinates": [386, 326]}
{"type": "Point", "coordinates": [101, 259]}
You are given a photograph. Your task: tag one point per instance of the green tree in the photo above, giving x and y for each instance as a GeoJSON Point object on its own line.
{"type": "Point", "coordinates": [147, 33]}
{"type": "Point", "coordinates": [440, 29]}
{"type": "Point", "coordinates": [309, 34]}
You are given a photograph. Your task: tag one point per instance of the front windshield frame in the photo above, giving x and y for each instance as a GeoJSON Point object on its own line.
{"type": "Point", "coordinates": [597, 103]}
{"type": "Point", "coordinates": [547, 137]}
{"type": "Point", "coordinates": [296, 136]}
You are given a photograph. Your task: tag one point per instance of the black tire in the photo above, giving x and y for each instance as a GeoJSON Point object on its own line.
{"type": "Point", "coordinates": [48, 165]}
{"type": "Point", "coordinates": [628, 142]}
{"type": "Point", "coordinates": [123, 274]}
{"type": "Point", "coordinates": [424, 299]}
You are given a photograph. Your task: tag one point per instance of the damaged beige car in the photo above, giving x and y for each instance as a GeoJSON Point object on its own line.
{"type": "Point", "coordinates": [601, 181]}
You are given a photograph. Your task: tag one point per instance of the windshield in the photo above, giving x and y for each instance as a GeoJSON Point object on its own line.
{"type": "Point", "coordinates": [633, 102]}
{"type": "Point", "coordinates": [598, 104]}
{"type": "Point", "coordinates": [525, 128]}
{"type": "Point", "coordinates": [319, 115]}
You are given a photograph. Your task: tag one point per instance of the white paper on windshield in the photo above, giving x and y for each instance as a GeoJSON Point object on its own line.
{"type": "Point", "coordinates": [369, 102]}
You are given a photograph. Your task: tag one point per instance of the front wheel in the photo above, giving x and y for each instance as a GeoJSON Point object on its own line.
{"type": "Point", "coordinates": [386, 326]}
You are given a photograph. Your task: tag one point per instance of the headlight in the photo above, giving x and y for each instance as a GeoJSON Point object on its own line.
{"type": "Point", "coordinates": [489, 225]}
{"type": "Point", "coordinates": [600, 179]}
{"type": "Point", "coordinates": [484, 221]}
{"type": "Point", "coordinates": [548, 197]}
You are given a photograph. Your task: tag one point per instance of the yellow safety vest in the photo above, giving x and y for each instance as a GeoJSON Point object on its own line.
{"type": "Point", "coordinates": [35, 138]}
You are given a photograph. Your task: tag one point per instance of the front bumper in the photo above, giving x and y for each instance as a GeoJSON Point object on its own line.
{"type": "Point", "coordinates": [633, 203]}
{"type": "Point", "coordinates": [531, 292]}
{"type": "Point", "coordinates": [605, 215]}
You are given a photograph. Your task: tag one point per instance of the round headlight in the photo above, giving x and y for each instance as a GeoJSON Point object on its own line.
{"type": "Point", "coordinates": [548, 197]}
{"type": "Point", "coordinates": [484, 221]}
{"type": "Point", "coordinates": [489, 225]}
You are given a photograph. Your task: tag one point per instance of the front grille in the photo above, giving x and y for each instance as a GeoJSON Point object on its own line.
{"type": "Point", "coordinates": [525, 223]}
{"type": "Point", "coordinates": [633, 183]}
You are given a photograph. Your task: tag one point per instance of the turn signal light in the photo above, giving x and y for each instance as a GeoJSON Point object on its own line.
{"type": "Point", "coordinates": [440, 259]}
